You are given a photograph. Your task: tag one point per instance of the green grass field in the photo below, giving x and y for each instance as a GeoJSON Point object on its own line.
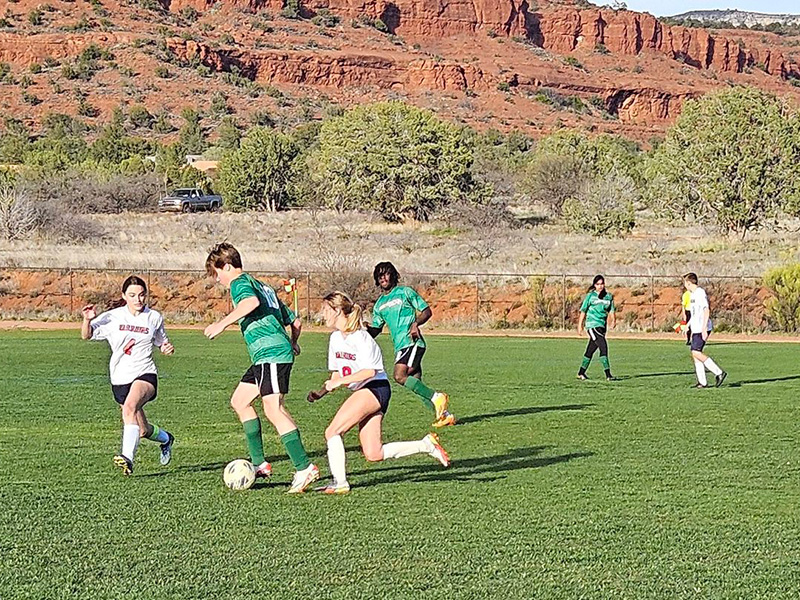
{"type": "Point", "coordinates": [641, 488]}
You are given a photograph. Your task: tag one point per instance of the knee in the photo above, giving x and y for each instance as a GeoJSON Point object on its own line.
{"type": "Point", "coordinates": [331, 431]}
{"type": "Point", "coordinates": [401, 378]}
{"type": "Point", "coordinates": [128, 411]}
{"type": "Point", "coordinates": [373, 454]}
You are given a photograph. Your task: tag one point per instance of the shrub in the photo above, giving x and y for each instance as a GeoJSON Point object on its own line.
{"type": "Point", "coordinates": [552, 180]}
{"type": "Point", "coordinates": [783, 309]}
{"type": "Point", "coordinates": [324, 18]}
{"type": "Point", "coordinates": [139, 116]}
{"type": "Point", "coordinates": [162, 72]}
{"type": "Point", "coordinates": [603, 206]}
{"type": "Point", "coordinates": [36, 16]}
{"type": "Point", "coordinates": [189, 13]}
{"type": "Point", "coordinates": [17, 214]}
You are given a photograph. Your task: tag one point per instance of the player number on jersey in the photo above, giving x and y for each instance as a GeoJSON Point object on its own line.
{"type": "Point", "coordinates": [346, 371]}
{"type": "Point", "coordinates": [272, 298]}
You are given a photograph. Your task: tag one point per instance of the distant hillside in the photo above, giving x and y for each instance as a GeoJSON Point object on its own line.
{"type": "Point", "coordinates": [738, 17]}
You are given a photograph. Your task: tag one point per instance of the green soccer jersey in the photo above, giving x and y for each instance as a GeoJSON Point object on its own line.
{"type": "Point", "coordinates": [264, 329]}
{"type": "Point", "coordinates": [398, 309]}
{"type": "Point", "coordinates": [597, 309]}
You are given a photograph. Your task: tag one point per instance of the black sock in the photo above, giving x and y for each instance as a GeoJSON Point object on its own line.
{"type": "Point", "coordinates": [608, 373]}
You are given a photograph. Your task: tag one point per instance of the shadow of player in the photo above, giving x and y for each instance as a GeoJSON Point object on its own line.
{"type": "Point", "coordinates": [515, 412]}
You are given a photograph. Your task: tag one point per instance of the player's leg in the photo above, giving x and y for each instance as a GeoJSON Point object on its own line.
{"type": "Point", "coordinates": [602, 345]}
{"type": "Point", "coordinates": [138, 393]}
{"type": "Point", "coordinates": [408, 373]}
{"type": "Point", "coordinates": [361, 405]}
{"type": "Point", "coordinates": [241, 403]}
{"type": "Point", "coordinates": [702, 362]}
{"type": "Point", "coordinates": [274, 384]}
{"type": "Point", "coordinates": [153, 432]}
{"type": "Point", "coordinates": [591, 348]}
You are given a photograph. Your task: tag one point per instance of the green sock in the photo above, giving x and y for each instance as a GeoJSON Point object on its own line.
{"type": "Point", "coordinates": [604, 362]}
{"type": "Point", "coordinates": [154, 434]}
{"type": "Point", "coordinates": [585, 363]}
{"type": "Point", "coordinates": [255, 445]}
{"type": "Point", "coordinates": [295, 449]}
{"type": "Point", "coordinates": [421, 390]}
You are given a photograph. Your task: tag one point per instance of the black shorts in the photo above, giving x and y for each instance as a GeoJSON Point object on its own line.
{"type": "Point", "coordinates": [411, 357]}
{"type": "Point", "coordinates": [698, 343]}
{"type": "Point", "coordinates": [121, 391]}
{"type": "Point", "coordinates": [382, 391]}
{"type": "Point", "coordinates": [271, 378]}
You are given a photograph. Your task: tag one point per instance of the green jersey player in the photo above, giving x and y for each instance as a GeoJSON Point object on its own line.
{"type": "Point", "coordinates": [263, 319]}
{"type": "Point", "coordinates": [598, 314]}
{"type": "Point", "coordinates": [403, 311]}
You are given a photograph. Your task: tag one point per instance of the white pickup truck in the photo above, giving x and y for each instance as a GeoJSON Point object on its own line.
{"type": "Point", "coordinates": [189, 200]}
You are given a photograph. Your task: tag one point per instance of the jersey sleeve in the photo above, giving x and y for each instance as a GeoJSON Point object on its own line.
{"type": "Point", "coordinates": [287, 314]}
{"type": "Point", "coordinates": [101, 327]}
{"type": "Point", "coordinates": [702, 300]}
{"type": "Point", "coordinates": [416, 300]}
{"type": "Point", "coordinates": [369, 353]}
{"type": "Point", "coordinates": [377, 318]}
{"type": "Point", "coordinates": [585, 305]}
{"type": "Point", "coordinates": [160, 335]}
{"type": "Point", "coordinates": [241, 288]}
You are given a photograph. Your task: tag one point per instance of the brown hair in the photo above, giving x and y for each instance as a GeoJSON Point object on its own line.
{"type": "Point", "coordinates": [352, 311]}
{"type": "Point", "coordinates": [691, 278]}
{"type": "Point", "coordinates": [132, 280]}
{"type": "Point", "coordinates": [221, 255]}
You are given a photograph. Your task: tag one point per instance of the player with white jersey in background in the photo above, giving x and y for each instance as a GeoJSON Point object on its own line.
{"type": "Point", "coordinates": [132, 329]}
{"type": "Point", "coordinates": [700, 328]}
{"type": "Point", "coordinates": [355, 361]}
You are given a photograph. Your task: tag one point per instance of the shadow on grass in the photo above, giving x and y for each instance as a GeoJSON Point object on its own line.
{"type": "Point", "coordinates": [186, 469]}
{"type": "Point", "coordinates": [515, 412]}
{"type": "Point", "coordinates": [643, 375]}
{"type": "Point", "coordinates": [737, 384]}
{"type": "Point", "coordinates": [481, 469]}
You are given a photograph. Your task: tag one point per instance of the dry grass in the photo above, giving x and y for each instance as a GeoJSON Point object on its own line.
{"type": "Point", "coordinates": [321, 241]}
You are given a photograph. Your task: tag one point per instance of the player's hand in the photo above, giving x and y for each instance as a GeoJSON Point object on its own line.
{"type": "Point", "coordinates": [705, 335]}
{"type": "Point", "coordinates": [89, 312]}
{"type": "Point", "coordinates": [414, 332]}
{"type": "Point", "coordinates": [167, 348]}
{"type": "Point", "coordinates": [213, 330]}
{"type": "Point", "coordinates": [331, 385]}
{"type": "Point", "coordinates": [296, 348]}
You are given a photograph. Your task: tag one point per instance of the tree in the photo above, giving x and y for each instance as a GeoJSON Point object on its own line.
{"type": "Point", "coordinates": [191, 138]}
{"type": "Point", "coordinates": [228, 133]}
{"type": "Point", "coordinates": [259, 173]}
{"type": "Point", "coordinates": [732, 157]}
{"type": "Point", "coordinates": [395, 159]}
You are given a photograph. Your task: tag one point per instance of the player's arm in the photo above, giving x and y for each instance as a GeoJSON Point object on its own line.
{"type": "Point", "coordinates": [421, 319]}
{"type": "Point", "coordinates": [360, 375]}
{"type": "Point", "coordinates": [89, 313]}
{"type": "Point", "coordinates": [374, 331]}
{"type": "Point", "coordinates": [706, 316]}
{"type": "Point", "coordinates": [244, 308]}
{"type": "Point", "coordinates": [612, 315]}
{"type": "Point", "coordinates": [161, 341]}
{"type": "Point", "coordinates": [581, 319]}
{"type": "Point", "coordinates": [377, 325]}
{"type": "Point", "coordinates": [296, 328]}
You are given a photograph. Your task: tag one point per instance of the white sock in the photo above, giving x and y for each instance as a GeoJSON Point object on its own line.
{"type": "Point", "coordinates": [336, 460]}
{"type": "Point", "coordinates": [130, 440]}
{"type": "Point", "coordinates": [712, 366]}
{"type": "Point", "coordinates": [400, 449]}
{"type": "Point", "coordinates": [701, 372]}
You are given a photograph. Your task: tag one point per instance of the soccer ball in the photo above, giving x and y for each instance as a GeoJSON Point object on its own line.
{"type": "Point", "coordinates": [239, 474]}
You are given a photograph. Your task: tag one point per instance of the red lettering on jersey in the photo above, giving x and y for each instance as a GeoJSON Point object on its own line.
{"type": "Point", "coordinates": [134, 328]}
{"type": "Point", "coordinates": [345, 355]}
{"type": "Point", "coordinates": [129, 346]}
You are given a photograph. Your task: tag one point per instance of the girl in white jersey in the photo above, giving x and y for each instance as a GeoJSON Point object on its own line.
{"type": "Point", "coordinates": [355, 361]}
{"type": "Point", "coordinates": [132, 329]}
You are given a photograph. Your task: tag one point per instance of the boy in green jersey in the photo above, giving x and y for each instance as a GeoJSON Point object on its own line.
{"type": "Point", "coordinates": [404, 311]}
{"type": "Point", "coordinates": [597, 312]}
{"type": "Point", "coordinates": [263, 319]}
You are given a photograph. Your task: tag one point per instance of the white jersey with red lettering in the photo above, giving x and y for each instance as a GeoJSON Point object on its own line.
{"type": "Point", "coordinates": [131, 339]}
{"type": "Point", "coordinates": [348, 354]}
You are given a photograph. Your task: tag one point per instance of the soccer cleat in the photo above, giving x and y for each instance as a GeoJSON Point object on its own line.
{"type": "Point", "coordinates": [334, 488]}
{"type": "Point", "coordinates": [700, 386]}
{"type": "Point", "coordinates": [303, 479]}
{"type": "Point", "coordinates": [611, 378]}
{"type": "Point", "coordinates": [582, 377]}
{"type": "Point", "coordinates": [166, 450]}
{"type": "Point", "coordinates": [720, 378]}
{"type": "Point", "coordinates": [436, 450]}
{"type": "Point", "coordinates": [264, 470]}
{"type": "Point", "coordinates": [440, 401]}
{"type": "Point", "coordinates": [447, 419]}
{"type": "Point", "coordinates": [124, 463]}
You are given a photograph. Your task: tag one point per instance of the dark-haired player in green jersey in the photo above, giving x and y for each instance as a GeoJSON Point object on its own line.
{"type": "Point", "coordinates": [263, 319]}
{"type": "Point", "coordinates": [598, 314]}
{"type": "Point", "coordinates": [403, 311]}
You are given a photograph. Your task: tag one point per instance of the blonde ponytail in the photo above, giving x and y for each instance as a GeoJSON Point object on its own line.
{"type": "Point", "coordinates": [352, 311]}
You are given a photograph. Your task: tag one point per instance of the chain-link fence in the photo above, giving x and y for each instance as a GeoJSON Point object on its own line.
{"type": "Point", "coordinates": [458, 300]}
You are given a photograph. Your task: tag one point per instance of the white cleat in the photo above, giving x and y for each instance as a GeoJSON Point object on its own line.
{"type": "Point", "coordinates": [303, 479]}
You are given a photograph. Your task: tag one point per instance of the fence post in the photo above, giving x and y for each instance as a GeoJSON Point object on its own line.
{"type": "Point", "coordinates": [652, 304]}
{"type": "Point", "coordinates": [564, 301]}
{"type": "Point", "coordinates": [477, 301]}
{"type": "Point", "coordinates": [741, 302]}
{"type": "Point", "coordinates": [308, 296]}
{"type": "Point", "coordinates": [71, 307]}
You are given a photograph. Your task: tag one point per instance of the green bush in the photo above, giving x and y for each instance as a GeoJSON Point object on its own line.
{"type": "Point", "coordinates": [603, 206]}
{"type": "Point", "coordinates": [783, 309]}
